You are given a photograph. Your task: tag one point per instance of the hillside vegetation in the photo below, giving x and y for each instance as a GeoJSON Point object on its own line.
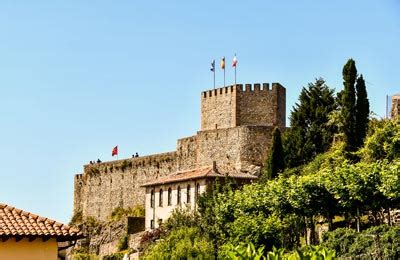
{"type": "Point", "coordinates": [331, 197]}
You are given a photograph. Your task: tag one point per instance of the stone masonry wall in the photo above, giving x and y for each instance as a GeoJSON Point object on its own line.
{"type": "Point", "coordinates": [108, 185]}
{"type": "Point", "coordinates": [234, 106]}
{"type": "Point", "coordinates": [395, 106]}
{"type": "Point", "coordinates": [187, 153]}
{"type": "Point", "coordinates": [236, 148]}
{"type": "Point", "coordinates": [218, 108]}
{"type": "Point", "coordinates": [261, 106]}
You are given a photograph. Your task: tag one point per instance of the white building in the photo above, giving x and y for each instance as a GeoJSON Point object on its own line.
{"type": "Point", "coordinates": [181, 189]}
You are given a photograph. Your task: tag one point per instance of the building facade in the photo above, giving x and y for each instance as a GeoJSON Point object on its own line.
{"type": "Point", "coordinates": [236, 132]}
{"type": "Point", "coordinates": [182, 190]}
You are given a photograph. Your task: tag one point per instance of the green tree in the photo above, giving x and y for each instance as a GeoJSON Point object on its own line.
{"type": "Point", "coordinates": [362, 111]}
{"type": "Point", "coordinates": [310, 133]}
{"type": "Point", "coordinates": [348, 104]}
{"type": "Point", "coordinates": [276, 161]}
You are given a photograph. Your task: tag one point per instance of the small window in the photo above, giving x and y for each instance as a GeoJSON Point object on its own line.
{"type": "Point", "coordinates": [152, 199]}
{"type": "Point", "coordinates": [161, 198]}
{"type": "Point", "coordinates": [197, 190]}
{"type": "Point", "coordinates": [152, 223]}
{"type": "Point", "coordinates": [188, 194]}
{"type": "Point", "coordinates": [179, 196]}
{"type": "Point", "coordinates": [169, 197]}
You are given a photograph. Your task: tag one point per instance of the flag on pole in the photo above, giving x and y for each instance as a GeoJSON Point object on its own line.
{"type": "Point", "coordinates": [234, 61]}
{"type": "Point", "coordinates": [223, 63]}
{"type": "Point", "coordinates": [212, 66]}
{"type": "Point", "coordinates": [114, 151]}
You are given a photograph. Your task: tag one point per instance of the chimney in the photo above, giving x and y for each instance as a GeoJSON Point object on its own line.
{"type": "Point", "coordinates": [214, 166]}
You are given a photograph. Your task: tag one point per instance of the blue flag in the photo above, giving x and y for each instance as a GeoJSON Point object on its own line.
{"type": "Point", "coordinates": [212, 66]}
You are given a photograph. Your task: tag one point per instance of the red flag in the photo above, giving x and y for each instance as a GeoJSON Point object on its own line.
{"type": "Point", "coordinates": [114, 151]}
{"type": "Point", "coordinates": [234, 61]}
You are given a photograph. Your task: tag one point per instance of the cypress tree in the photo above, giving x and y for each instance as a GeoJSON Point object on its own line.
{"type": "Point", "coordinates": [275, 162]}
{"type": "Point", "coordinates": [349, 104]}
{"type": "Point", "coordinates": [362, 108]}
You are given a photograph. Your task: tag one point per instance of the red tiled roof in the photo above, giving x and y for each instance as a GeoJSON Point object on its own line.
{"type": "Point", "coordinates": [18, 223]}
{"type": "Point", "coordinates": [205, 172]}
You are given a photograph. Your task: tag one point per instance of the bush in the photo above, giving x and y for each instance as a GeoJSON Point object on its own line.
{"type": "Point", "coordinates": [182, 218]}
{"type": "Point", "coordinates": [182, 243]}
{"type": "Point", "coordinates": [123, 243]}
{"type": "Point", "coordinates": [376, 242]}
{"type": "Point", "coordinates": [116, 256]}
{"type": "Point", "coordinates": [76, 218]}
{"type": "Point", "coordinates": [118, 213]}
{"type": "Point", "coordinates": [249, 251]}
{"type": "Point", "coordinates": [84, 256]}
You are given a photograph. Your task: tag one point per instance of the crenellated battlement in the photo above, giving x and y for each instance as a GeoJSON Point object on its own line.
{"type": "Point", "coordinates": [243, 104]}
{"type": "Point", "coordinates": [240, 88]}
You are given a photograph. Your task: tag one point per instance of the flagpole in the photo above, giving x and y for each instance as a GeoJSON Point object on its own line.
{"type": "Point", "coordinates": [214, 77]}
{"type": "Point", "coordinates": [224, 76]}
{"type": "Point", "coordinates": [235, 75]}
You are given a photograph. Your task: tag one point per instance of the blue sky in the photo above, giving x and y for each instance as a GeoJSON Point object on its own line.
{"type": "Point", "coordinates": [78, 77]}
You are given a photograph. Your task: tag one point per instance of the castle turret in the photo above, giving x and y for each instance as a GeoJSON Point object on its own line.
{"type": "Point", "coordinates": [253, 105]}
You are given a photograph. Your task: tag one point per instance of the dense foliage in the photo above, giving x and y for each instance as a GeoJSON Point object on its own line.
{"type": "Point", "coordinates": [287, 211]}
{"type": "Point", "coordinates": [362, 111]}
{"type": "Point", "coordinates": [309, 132]}
{"type": "Point", "coordinates": [348, 103]}
{"type": "Point", "coordinates": [275, 164]}
{"type": "Point", "coordinates": [381, 242]}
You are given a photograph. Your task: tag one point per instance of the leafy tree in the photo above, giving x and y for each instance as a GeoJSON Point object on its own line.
{"type": "Point", "coordinates": [362, 111]}
{"type": "Point", "coordinates": [349, 104]}
{"type": "Point", "coordinates": [383, 141]}
{"type": "Point", "coordinates": [310, 134]}
{"type": "Point", "coordinates": [276, 161]}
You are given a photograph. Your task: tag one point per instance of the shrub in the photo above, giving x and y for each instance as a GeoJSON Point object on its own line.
{"type": "Point", "coordinates": [76, 218]}
{"type": "Point", "coordinates": [382, 242]}
{"type": "Point", "coordinates": [84, 256]}
{"type": "Point", "coordinates": [123, 243]}
{"type": "Point", "coordinates": [182, 243]}
{"type": "Point", "coordinates": [118, 213]}
{"type": "Point", "coordinates": [116, 256]}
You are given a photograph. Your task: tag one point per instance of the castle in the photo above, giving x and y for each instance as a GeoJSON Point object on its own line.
{"type": "Point", "coordinates": [236, 132]}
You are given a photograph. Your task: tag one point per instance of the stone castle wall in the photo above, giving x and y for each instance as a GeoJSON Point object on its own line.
{"type": "Point", "coordinates": [234, 106]}
{"type": "Point", "coordinates": [105, 186]}
{"type": "Point", "coordinates": [245, 120]}
{"type": "Point", "coordinates": [395, 106]}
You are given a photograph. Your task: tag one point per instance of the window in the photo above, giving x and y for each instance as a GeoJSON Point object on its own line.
{"type": "Point", "coordinates": [161, 198]}
{"type": "Point", "coordinates": [188, 194]}
{"type": "Point", "coordinates": [169, 197]}
{"type": "Point", "coordinates": [179, 196]}
{"type": "Point", "coordinates": [152, 199]}
{"type": "Point", "coordinates": [197, 190]}
{"type": "Point", "coordinates": [152, 223]}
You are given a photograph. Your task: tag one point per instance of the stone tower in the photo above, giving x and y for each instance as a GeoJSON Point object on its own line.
{"type": "Point", "coordinates": [234, 106]}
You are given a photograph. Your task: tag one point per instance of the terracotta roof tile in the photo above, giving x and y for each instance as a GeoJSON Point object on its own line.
{"type": "Point", "coordinates": [205, 172]}
{"type": "Point", "coordinates": [16, 222]}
